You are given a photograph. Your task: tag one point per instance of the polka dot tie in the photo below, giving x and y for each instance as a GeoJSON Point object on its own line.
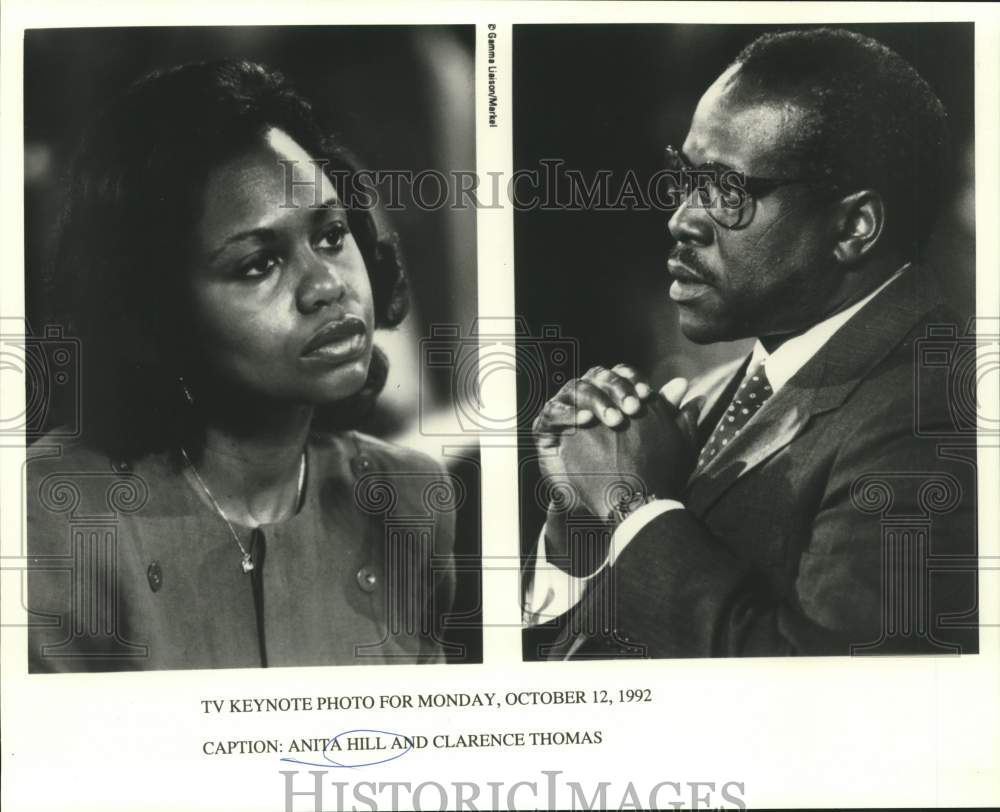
{"type": "Point", "coordinates": [753, 392]}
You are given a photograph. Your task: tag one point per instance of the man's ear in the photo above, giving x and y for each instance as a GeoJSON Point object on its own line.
{"type": "Point", "coordinates": [859, 226]}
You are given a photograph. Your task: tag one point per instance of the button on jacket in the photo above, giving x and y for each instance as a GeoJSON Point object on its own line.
{"type": "Point", "coordinates": [131, 569]}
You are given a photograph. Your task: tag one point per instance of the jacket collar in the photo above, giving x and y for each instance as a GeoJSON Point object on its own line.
{"type": "Point", "coordinates": [821, 385]}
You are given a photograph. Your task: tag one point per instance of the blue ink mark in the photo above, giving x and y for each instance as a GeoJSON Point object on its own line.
{"type": "Point", "coordinates": [329, 762]}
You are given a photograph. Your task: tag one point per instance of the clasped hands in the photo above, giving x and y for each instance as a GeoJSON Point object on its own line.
{"type": "Point", "coordinates": [608, 432]}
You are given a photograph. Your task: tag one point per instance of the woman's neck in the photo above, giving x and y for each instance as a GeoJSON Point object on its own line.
{"type": "Point", "coordinates": [252, 467]}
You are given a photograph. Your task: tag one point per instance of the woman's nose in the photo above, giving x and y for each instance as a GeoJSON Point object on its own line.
{"type": "Point", "coordinates": [321, 285]}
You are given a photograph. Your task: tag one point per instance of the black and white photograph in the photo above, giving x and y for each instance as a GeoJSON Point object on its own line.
{"type": "Point", "coordinates": [761, 244]}
{"type": "Point", "coordinates": [499, 405]}
{"type": "Point", "coordinates": [226, 467]}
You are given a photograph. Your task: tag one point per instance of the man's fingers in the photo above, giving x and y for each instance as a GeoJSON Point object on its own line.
{"type": "Point", "coordinates": [578, 403]}
{"type": "Point", "coordinates": [642, 389]}
{"type": "Point", "coordinates": [544, 441]}
{"type": "Point", "coordinates": [674, 390]}
{"type": "Point", "coordinates": [618, 388]}
{"type": "Point", "coordinates": [556, 415]}
{"type": "Point", "coordinates": [602, 394]}
{"type": "Point", "coordinates": [590, 397]}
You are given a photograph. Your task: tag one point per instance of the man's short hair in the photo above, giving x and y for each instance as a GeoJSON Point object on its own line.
{"type": "Point", "coordinates": [871, 121]}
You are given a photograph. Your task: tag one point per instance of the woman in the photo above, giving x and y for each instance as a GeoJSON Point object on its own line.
{"type": "Point", "coordinates": [219, 510]}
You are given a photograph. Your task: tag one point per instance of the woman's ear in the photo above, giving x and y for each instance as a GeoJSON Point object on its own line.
{"type": "Point", "coordinates": [861, 220]}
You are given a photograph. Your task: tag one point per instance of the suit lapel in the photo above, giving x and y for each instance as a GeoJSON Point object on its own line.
{"type": "Point", "coordinates": [821, 385]}
{"type": "Point", "coordinates": [777, 423]}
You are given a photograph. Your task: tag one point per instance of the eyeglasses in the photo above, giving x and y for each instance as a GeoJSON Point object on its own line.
{"type": "Point", "coordinates": [729, 196]}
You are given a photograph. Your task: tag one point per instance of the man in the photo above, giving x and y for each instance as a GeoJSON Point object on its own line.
{"type": "Point", "coordinates": [785, 504]}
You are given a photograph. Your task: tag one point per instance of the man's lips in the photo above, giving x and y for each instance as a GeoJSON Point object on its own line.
{"type": "Point", "coordinates": [687, 284]}
{"type": "Point", "coordinates": [337, 340]}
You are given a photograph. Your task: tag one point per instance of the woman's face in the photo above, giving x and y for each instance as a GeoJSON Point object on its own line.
{"type": "Point", "coordinates": [282, 301]}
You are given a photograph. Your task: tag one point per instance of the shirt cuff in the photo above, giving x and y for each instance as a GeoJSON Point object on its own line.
{"type": "Point", "coordinates": [553, 592]}
{"type": "Point", "coordinates": [630, 528]}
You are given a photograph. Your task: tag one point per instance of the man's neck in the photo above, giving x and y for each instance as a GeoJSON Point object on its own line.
{"type": "Point", "coordinates": [846, 299]}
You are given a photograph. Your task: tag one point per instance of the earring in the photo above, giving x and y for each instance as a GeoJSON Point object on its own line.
{"type": "Point", "coordinates": [187, 392]}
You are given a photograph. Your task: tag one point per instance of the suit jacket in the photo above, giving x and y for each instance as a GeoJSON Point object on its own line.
{"type": "Point", "coordinates": [129, 568]}
{"type": "Point", "coordinates": [842, 519]}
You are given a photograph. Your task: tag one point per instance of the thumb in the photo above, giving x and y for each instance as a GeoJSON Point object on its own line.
{"type": "Point", "coordinates": [674, 390]}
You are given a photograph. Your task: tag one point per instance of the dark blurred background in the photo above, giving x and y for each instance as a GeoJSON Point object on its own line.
{"type": "Point", "coordinates": [401, 97]}
{"type": "Point", "coordinates": [612, 97]}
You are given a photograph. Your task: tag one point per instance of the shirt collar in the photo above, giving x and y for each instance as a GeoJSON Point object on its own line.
{"type": "Point", "coordinates": [793, 354]}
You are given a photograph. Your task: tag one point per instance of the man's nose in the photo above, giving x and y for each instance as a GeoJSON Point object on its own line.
{"type": "Point", "coordinates": [690, 224]}
{"type": "Point", "coordinates": [321, 285]}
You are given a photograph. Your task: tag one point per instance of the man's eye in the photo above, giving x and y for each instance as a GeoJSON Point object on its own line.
{"type": "Point", "coordinates": [332, 239]}
{"type": "Point", "coordinates": [258, 266]}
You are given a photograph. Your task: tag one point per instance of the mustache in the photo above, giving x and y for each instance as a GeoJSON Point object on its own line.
{"type": "Point", "coordinates": [686, 255]}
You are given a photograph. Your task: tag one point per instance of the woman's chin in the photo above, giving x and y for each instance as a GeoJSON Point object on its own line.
{"type": "Point", "coordinates": [343, 381]}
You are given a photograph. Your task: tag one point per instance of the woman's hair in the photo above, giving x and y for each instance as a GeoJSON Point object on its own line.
{"type": "Point", "coordinates": [126, 238]}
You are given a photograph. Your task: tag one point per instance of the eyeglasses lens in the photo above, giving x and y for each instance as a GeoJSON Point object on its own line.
{"type": "Point", "coordinates": [702, 187]}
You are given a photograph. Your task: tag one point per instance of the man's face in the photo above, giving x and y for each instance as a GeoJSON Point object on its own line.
{"type": "Point", "coordinates": [774, 276]}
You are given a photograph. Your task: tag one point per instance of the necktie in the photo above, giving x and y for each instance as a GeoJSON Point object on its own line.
{"type": "Point", "coordinates": [753, 392]}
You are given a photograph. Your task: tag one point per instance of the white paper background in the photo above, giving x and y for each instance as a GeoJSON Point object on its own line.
{"type": "Point", "coordinates": [795, 732]}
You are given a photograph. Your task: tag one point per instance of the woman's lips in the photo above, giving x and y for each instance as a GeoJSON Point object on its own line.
{"type": "Point", "coordinates": [341, 350]}
{"type": "Point", "coordinates": [337, 341]}
{"type": "Point", "coordinates": [687, 284]}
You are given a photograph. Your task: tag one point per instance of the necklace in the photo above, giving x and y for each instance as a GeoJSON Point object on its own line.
{"type": "Point", "coordinates": [246, 562]}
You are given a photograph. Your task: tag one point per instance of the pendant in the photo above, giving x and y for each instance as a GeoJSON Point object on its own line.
{"type": "Point", "coordinates": [247, 563]}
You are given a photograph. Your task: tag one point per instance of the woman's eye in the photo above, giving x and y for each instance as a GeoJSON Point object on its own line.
{"type": "Point", "coordinates": [333, 238]}
{"type": "Point", "coordinates": [257, 267]}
